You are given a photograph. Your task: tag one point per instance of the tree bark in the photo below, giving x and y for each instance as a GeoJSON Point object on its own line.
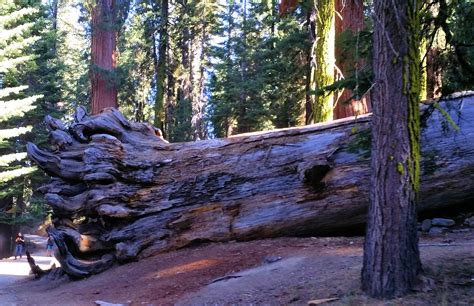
{"type": "Point", "coordinates": [243, 124]}
{"type": "Point", "coordinates": [104, 55]}
{"type": "Point", "coordinates": [6, 233]}
{"type": "Point", "coordinates": [309, 83]}
{"type": "Point", "coordinates": [391, 256]}
{"type": "Point", "coordinates": [350, 17]}
{"type": "Point", "coordinates": [35, 269]}
{"type": "Point", "coordinates": [201, 37]}
{"type": "Point", "coordinates": [324, 59]}
{"type": "Point", "coordinates": [6, 230]}
{"type": "Point", "coordinates": [120, 193]}
{"type": "Point", "coordinates": [160, 67]}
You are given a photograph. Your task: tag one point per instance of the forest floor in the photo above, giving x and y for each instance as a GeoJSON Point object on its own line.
{"type": "Point", "coordinates": [281, 271]}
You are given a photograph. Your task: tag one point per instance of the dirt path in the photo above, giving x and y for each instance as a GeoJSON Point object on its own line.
{"type": "Point", "coordinates": [283, 271]}
{"type": "Point", "coordinates": [12, 271]}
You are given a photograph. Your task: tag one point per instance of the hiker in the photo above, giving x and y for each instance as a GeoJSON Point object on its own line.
{"type": "Point", "coordinates": [20, 244]}
{"type": "Point", "coordinates": [49, 247]}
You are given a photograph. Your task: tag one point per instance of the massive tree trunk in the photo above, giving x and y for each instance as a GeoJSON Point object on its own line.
{"type": "Point", "coordinates": [324, 59]}
{"type": "Point", "coordinates": [121, 192]}
{"type": "Point", "coordinates": [391, 256]}
{"type": "Point", "coordinates": [349, 17]}
{"type": "Point", "coordinates": [104, 55]}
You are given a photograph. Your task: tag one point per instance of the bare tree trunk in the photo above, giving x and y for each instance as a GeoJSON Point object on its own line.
{"type": "Point", "coordinates": [230, 29]}
{"type": "Point", "coordinates": [434, 81]}
{"type": "Point", "coordinates": [104, 55]}
{"type": "Point", "coordinates": [350, 17]}
{"type": "Point", "coordinates": [324, 59]}
{"type": "Point", "coordinates": [160, 66]}
{"type": "Point", "coordinates": [201, 37]}
{"type": "Point", "coordinates": [114, 180]}
{"type": "Point", "coordinates": [391, 256]}
{"type": "Point", "coordinates": [54, 21]}
{"type": "Point", "coordinates": [243, 125]}
{"type": "Point", "coordinates": [309, 87]}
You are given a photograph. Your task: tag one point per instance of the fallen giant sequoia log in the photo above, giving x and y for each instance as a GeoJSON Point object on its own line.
{"type": "Point", "coordinates": [120, 192]}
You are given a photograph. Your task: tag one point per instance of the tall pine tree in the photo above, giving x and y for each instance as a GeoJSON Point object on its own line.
{"type": "Point", "coordinates": [14, 104]}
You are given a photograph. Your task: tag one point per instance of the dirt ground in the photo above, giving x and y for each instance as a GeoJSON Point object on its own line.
{"type": "Point", "coordinates": [282, 271]}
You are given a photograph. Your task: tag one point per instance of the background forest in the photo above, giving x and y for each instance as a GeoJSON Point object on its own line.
{"type": "Point", "coordinates": [199, 70]}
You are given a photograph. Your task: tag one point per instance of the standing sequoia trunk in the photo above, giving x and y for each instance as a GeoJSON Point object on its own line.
{"type": "Point", "coordinates": [350, 17]}
{"type": "Point", "coordinates": [391, 255]}
{"type": "Point", "coordinates": [104, 55]}
{"type": "Point", "coordinates": [120, 193]}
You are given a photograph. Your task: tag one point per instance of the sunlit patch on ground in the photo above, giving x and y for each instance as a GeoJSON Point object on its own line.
{"type": "Point", "coordinates": [20, 267]}
{"type": "Point", "coordinates": [196, 265]}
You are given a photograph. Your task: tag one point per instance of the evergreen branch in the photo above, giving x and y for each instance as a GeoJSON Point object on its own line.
{"type": "Point", "coordinates": [17, 108]}
{"type": "Point", "coordinates": [19, 44]}
{"type": "Point", "coordinates": [6, 176]}
{"type": "Point", "coordinates": [5, 160]}
{"type": "Point", "coordinates": [10, 133]}
{"type": "Point", "coordinates": [8, 64]}
{"type": "Point", "coordinates": [11, 90]}
{"type": "Point", "coordinates": [14, 16]}
{"type": "Point", "coordinates": [446, 116]}
{"type": "Point", "coordinates": [9, 34]}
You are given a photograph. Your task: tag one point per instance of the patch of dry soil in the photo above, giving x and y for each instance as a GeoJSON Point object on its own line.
{"type": "Point", "coordinates": [282, 271]}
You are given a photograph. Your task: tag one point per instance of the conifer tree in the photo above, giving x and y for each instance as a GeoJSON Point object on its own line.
{"type": "Point", "coordinates": [258, 80]}
{"type": "Point", "coordinates": [14, 104]}
{"type": "Point", "coordinates": [391, 255]}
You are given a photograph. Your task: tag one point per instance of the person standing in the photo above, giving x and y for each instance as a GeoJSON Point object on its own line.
{"type": "Point", "coordinates": [20, 245]}
{"type": "Point", "coordinates": [49, 247]}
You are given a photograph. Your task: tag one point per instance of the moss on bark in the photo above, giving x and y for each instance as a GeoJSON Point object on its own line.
{"type": "Point", "coordinates": [324, 59]}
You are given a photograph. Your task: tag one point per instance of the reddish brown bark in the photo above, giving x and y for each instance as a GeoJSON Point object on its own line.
{"type": "Point", "coordinates": [349, 17]}
{"type": "Point", "coordinates": [287, 6]}
{"type": "Point", "coordinates": [433, 71]}
{"type": "Point", "coordinates": [104, 56]}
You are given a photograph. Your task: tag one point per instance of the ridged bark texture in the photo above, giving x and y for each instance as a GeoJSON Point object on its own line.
{"type": "Point", "coordinates": [391, 256]}
{"type": "Point", "coordinates": [324, 59]}
{"type": "Point", "coordinates": [118, 192]}
{"type": "Point", "coordinates": [350, 17]}
{"type": "Point", "coordinates": [104, 55]}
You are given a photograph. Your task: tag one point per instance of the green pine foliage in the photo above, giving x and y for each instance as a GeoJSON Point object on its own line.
{"type": "Point", "coordinates": [258, 71]}
{"type": "Point", "coordinates": [458, 59]}
{"type": "Point", "coordinates": [29, 89]}
{"type": "Point", "coordinates": [136, 67]}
